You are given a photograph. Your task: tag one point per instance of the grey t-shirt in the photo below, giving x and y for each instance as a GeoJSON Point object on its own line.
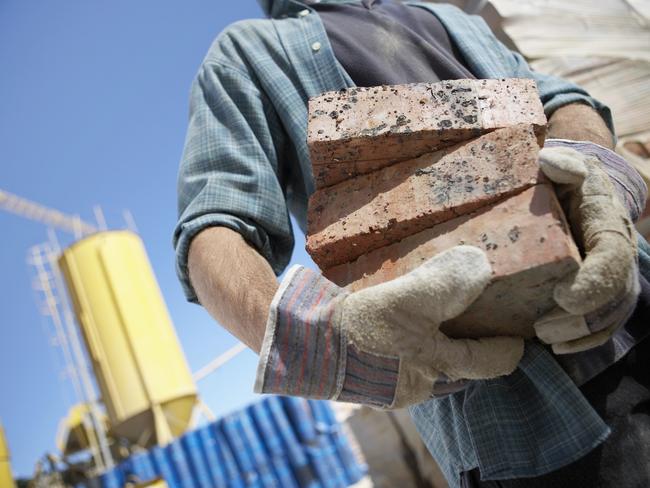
{"type": "Point", "coordinates": [384, 42]}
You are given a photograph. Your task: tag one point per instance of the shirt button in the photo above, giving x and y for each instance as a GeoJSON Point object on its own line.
{"type": "Point", "coordinates": [303, 13]}
{"type": "Point", "coordinates": [315, 46]}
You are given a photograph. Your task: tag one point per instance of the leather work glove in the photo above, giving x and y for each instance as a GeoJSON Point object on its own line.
{"type": "Point", "coordinates": [380, 346]}
{"type": "Point", "coordinates": [600, 297]}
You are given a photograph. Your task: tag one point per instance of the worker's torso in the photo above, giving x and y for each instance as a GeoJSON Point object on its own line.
{"type": "Point", "coordinates": [384, 42]}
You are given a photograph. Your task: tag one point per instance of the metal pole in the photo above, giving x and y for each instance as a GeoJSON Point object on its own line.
{"type": "Point", "coordinates": [130, 221]}
{"type": "Point", "coordinates": [219, 361]}
{"type": "Point", "coordinates": [99, 217]}
{"type": "Point", "coordinates": [37, 261]}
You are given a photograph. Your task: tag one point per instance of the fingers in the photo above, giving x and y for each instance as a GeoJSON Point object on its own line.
{"type": "Point", "coordinates": [443, 386]}
{"type": "Point", "coordinates": [476, 359]}
{"type": "Point", "coordinates": [562, 165]}
{"type": "Point", "coordinates": [439, 289]}
{"type": "Point", "coordinates": [584, 343]}
{"type": "Point", "coordinates": [602, 226]}
{"type": "Point", "coordinates": [450, 281]}
{"type": "Point", "coordinates": [606, 274]}
{"type": "Point", "coordinates": [573, 333]}
{"type": "Point", "coordinates": [560, 326]}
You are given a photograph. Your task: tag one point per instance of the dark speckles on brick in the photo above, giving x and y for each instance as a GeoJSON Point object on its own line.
{"type": "Point", "coordinates": [346, 106]}
{"type": "Point", "coordinates": [470, 119]}
{"type": "Point", "coordinates": [513, 234]}
{"type": "Point", "coordinates": [401, 120]}
{"type": "Point", "coordinates": [334, 114]}
{"type": "Point", "coordinates": [444, 123]}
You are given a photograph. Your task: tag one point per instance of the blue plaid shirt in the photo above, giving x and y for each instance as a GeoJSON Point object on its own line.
{"type": "Point", "coordinates": [246, 166]}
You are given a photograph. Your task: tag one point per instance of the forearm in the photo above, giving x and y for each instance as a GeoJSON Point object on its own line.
{"type": "Point", "coordinates": [233, 282]}
{"type": "Point", "coordinates": [579, 122]}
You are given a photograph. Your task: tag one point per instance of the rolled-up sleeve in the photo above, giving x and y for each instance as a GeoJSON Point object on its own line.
{"type": "Point", "coordinates": [230, 173]}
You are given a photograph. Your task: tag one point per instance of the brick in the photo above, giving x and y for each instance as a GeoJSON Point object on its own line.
{"type": "Point", "coordinates": [527, 242]}
{"type": "Point", "coordinates": [373, 210]}
{"type": "Point", "coordinates": [359, 130]}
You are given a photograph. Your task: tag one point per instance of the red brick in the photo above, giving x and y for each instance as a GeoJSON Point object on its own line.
{"type": "Point", "coordinates": [527, 242]}
{"type": "Point", "coordinates": [359, 130]}
{"type": "Point", "coordinates": [373, 210]}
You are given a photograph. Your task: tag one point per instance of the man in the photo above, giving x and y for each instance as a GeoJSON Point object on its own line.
{"type": "Point", "coordinates": [532, 421]}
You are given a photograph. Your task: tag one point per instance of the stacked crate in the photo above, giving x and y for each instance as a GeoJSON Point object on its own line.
{"type": "Point", "coordinates": [404, 172]}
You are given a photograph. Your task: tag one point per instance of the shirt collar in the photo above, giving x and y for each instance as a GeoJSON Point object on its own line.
{"type": "Point", "coordinates": [275, 8]}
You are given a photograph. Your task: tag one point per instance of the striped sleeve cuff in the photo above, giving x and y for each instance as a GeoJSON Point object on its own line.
{"type": "Point", "coordinates": [303, 349]}
{"type": "Point", "coordinates": [629, 185]}
{"type": "Point", "coordinates": [369, 378]}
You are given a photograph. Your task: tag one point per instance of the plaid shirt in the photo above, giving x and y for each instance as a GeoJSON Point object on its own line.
{"type": "Point", "coordinates": [246, 166]}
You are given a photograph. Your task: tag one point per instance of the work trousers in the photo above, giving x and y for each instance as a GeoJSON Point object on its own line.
{"type": "Point", "coordinates": [621, 396]}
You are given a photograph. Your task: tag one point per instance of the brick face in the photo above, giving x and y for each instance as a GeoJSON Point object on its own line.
{"type": "Point", "coordinates": [355, 131]}
{"type": "Point", "coordinates": [376, 209]}
{"type": "Point", "coordinates": [528, 244]}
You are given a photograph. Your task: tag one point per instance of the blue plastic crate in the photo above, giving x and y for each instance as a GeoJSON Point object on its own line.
{"type": "Point", "coordinates": [278, 442]}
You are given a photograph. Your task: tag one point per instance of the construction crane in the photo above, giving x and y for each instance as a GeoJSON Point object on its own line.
{"type": "Point", "coordinates": [48, 216]}
{"type": "Point", "coordinates": [73, 224]}
{"type": "Point", "coordinates": [49, 286]}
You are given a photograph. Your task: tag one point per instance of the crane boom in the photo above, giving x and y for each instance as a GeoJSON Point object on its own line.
{"type": "Point", "coordinates": [49, 216]}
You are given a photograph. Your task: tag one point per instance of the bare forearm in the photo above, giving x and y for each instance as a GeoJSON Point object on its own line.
{"type": "Point", "coordinates": [579, 122]}
{"type": "Point", "coordinates": [233, 282]}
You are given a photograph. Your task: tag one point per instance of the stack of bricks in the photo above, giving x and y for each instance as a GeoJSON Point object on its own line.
{"type": "Point", "coordinates": [404, 172]}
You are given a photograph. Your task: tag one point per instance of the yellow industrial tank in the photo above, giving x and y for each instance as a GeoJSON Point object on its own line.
{"type": "Point", "coordinates": [6, 479]}
{"type": "Point", "coordinates": [139, 365]}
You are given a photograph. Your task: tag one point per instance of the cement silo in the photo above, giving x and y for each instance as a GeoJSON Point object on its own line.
{"type": "Point", "coordinates": [140, 368]}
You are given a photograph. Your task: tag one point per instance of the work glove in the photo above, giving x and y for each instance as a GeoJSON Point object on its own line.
{"type": "Point", "coordinates": [600, 296]}
{"type": "Point", "coordinates": [380, 346]}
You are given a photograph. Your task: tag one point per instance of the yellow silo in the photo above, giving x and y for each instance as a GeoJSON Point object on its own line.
{"type": "Point", "coordinates": [139, 365]}
{"type": "Point", "coordinates": [6, 479]}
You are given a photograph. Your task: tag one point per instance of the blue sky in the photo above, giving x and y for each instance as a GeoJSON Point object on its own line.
{"type": "Point", "coordinates": [93, 110]}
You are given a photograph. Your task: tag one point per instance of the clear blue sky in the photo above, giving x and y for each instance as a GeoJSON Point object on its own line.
{"type": "Point", "coordinates": [93, 110]}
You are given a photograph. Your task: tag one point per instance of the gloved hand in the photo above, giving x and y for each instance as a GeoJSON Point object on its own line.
{"type": "Point", "coordinates": [597, 299]}
{"type": "Point", "coordinates": [380, 346]}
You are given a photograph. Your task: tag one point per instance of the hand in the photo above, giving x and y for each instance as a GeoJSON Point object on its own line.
{"type": "Point", "coordinates": [381, 346]}
{"type": "Point", "coordinates": [597, 299]}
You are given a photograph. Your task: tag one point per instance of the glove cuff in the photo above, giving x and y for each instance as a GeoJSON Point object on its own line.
{"type": "Point", "coordinates": [370, 379]}
{"type": "Point", "coordinates": [303, 349]}
{"type": "Point", "coordinates": [306, 352]}
{"type": "Point", "coordinates": [629, 186]}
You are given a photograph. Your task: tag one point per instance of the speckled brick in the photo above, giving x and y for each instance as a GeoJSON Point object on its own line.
{"type": "Point", "coordinates": [527, 242]}
{"type": "Point", "coordinates": [359, 130]}
{"type": "Point", "coordinates": [376, 209]}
